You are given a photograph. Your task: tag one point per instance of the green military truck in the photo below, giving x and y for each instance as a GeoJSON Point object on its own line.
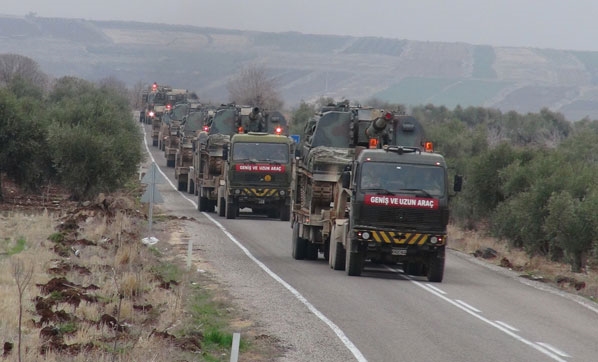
{"type": "Point", "coordinates": [259, 170]}
{"type": "Point", "coordinates": [393, 208]}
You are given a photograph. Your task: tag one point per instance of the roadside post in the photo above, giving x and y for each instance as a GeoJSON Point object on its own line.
{"type": "Point", "coordinates": [151, 194]}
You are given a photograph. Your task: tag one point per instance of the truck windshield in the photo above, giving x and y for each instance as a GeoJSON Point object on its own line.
{"type": "Point", "coordinates": [261, 152]}
{"type": "Point", "coordinates": [387, 177]}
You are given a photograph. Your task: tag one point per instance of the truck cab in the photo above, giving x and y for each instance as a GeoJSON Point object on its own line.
{"type": "Point", "coordinates": [258, 175]}
{"type": "Point", "coordinates": [398, 212]}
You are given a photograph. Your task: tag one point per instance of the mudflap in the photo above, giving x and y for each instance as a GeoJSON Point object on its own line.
{"type": "Point", "coordinates": [337, 251]}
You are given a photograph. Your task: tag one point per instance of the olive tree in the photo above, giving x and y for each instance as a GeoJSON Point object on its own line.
{"type": "Point", "coordinates": [94, 141]}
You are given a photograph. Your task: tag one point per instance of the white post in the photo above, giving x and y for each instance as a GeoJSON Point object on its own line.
{"type": "Point", "coordinates": [234, 354]}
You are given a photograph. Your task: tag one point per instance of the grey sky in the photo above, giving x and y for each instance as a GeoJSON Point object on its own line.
{"type": "Point", "coordinates": [554, 24]}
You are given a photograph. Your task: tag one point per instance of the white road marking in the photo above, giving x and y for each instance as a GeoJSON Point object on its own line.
{"type": "Point", "coordinates": [554, 349]}
{"type": "Point", "coordinates": [436, 288]}
{"type": "Point", "coordinates": [498, 326]}
{"type": "Point", "coordinates": [470, 307]}
{"type": "Point", "coordinates": [339, 333]}
{"type": "Point", "coordinates": [507, 326]}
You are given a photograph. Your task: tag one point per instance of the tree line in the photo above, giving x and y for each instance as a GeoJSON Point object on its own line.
{"type": "Point", "coordinates": [529, 179]}
{"type": "Point", "coordinates": [69, 131]}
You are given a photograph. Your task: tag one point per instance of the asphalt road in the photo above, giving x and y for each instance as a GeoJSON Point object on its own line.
{"type": "Point", "coordinates": [478, 313]}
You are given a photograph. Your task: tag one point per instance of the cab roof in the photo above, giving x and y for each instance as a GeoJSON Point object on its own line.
{"type": "Point", "coordinates": [401, 154]}
{"type": "Point", "coordinates": [260, 137]}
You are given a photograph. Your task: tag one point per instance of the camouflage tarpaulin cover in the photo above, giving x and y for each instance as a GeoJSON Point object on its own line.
{"type": "Point", "coordinates": [327, 163]}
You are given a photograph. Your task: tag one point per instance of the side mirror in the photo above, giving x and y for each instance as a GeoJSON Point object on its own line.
{"type": "Point", "coordinates": [346, 179]}
{"type": "Point", "coordinates": [457, 183]}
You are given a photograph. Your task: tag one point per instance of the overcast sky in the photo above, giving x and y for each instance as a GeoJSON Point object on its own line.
{"type": "Point", "coordinates": [558, 24]}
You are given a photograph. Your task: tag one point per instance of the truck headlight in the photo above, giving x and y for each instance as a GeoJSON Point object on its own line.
{"type": "Point", "coordinates": [365, 235]}
{"type": "Point", "coordinates": [433, 240]}
{"type": "Point", "coordinates": [282, 192]}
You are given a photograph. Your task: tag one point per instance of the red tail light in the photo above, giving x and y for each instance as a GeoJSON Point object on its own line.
{"type": "Point", "coordinates": [206, 128]}
{"type": "Point", "coordinates": [278, 130]}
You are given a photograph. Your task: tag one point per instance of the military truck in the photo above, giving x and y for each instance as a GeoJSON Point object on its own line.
{"type": "Point", "coordinates": [192, 125]}
{"type": "Point", "coordinates": [328, 146]}
{"type": "Point", "coordinates": [393, 207]}
{"type": "Point", "coordinates": [172, 122]}
{"type": "Point", "coordinates": [208, 169]}
{"type": "Point", "coordinates": [155, 108]}
{"type": "Point", "coordinates": [258, 175]}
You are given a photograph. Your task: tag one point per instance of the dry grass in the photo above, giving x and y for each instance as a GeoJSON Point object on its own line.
{"type": "Point", "coordinates": [110, 260]}
{"type": "Point", "coordinates": [536, 267]}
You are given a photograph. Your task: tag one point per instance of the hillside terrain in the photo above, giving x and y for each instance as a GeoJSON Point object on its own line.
{"type": "Point", "coordinates": [309, 66]}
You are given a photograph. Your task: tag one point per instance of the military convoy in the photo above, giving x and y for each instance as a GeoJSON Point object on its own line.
{"type": "Point", "coordinates": [363, 185]}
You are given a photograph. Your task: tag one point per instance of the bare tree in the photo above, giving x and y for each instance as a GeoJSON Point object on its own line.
{"type": "Point", "coordinates": [253, 86]}
{"type": "Point", "coordinates": [22, 276]}
{"type": "Point", "coordinates": [14, 66]}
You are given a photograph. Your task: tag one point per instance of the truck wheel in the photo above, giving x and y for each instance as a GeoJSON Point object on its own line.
{"type": "Point", "coordinates": [182, 186]}
{"type": "Point", "coordinates": [299, 244]}
{"type": "Point", "coordinates": [222, 207]}
{"type": "Point", "coordinates": [285, 212]}
{"type": "Point", "coordinates": [155, 143]}
{"type": "Point", "coordinates": [337, 256]}
{"type": "Point", "coordinates": [190, 188]}
{"type": "Point", "coordinates": [202, 203]}
{"type": "Point", "coordinates": [436, 268]}
{"type": "Point", "coordinates": [232, 208]}
{"type": "Point", "coordinates": [169, 163]}
{"type": "Point", "coordinates": [353, 263]}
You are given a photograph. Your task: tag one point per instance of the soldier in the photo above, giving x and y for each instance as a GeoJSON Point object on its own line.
{"type": "Point", "coordinates": [256, 121]}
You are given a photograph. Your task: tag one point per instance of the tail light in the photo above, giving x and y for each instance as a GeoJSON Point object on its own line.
{"type": "Point", "coordinates": [278, 130]}
{"type": "Point", "coordinates": [241, 129]}
{"type": "Point", "coordinates": [206, 128]}
{"type": "Point", "coordinates": [373, 143]}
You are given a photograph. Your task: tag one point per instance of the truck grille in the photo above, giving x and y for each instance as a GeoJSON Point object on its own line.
{"type": "Point", "coordinates": [397, 217]}
{"type": "Point", "coordinates": [258, 179]}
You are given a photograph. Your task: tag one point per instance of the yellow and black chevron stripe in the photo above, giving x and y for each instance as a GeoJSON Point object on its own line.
{"type": "Point", "coordinates": [259, 192]}
{"type": "Point", "coordinates": [392, 237]}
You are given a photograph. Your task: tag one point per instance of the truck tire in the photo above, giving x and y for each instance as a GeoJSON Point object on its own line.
{"type": "Point", "coordinates": [182, 186]}
{"type": "Point", "coordinates": [202, 203]}
{"type": "Point", "coordinates": [155, 143]}
{"type": "Point", "coordinates": [436, 268]}
{"type": "Point", "coordinates": [353, 262]}
{"type": "Point", "coordinates": [222, 207]}
{"type": "Point", "coordinates": [285, 212]}
{"type": "Point", "coordinates": [169, 163]}
{"type": "Point", "coordinates": [299, 244]}
{"type": "Point", "coordinates": [337, 256]}
{"type": "Point", "coordinates": [232, 209]}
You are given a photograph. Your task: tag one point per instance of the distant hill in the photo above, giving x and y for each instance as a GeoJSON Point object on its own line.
{"type": "Point", "coordinates": [309, 66]}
